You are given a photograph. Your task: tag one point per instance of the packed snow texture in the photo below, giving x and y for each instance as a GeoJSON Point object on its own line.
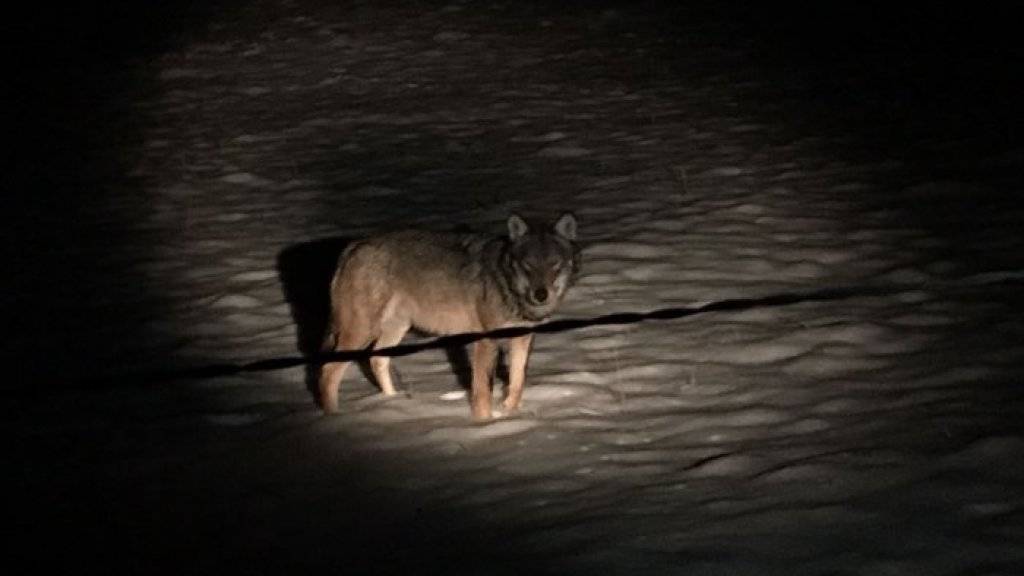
{"type": "Point", "coordinates": [874, 434]}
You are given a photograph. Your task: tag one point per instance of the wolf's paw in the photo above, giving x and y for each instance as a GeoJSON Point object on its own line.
{"type": "Point", "coordinates": [482, 415]}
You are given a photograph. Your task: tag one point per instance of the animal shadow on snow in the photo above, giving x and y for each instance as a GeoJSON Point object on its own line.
{"type": "Point", "coordinates": [305, 272]}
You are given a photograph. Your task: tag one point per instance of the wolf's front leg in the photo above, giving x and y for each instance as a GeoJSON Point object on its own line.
{"type": "Point", "coordinates": [518, 352]}
{"type": "Point", "coordinates": [485, 353]}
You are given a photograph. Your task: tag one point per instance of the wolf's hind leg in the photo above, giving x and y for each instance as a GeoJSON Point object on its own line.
{"type": "Point", "coordinates": [331, 373]}
{"type": "Point", "coordinates": [390, 335]}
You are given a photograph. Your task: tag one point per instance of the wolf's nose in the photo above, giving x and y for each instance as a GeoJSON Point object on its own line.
{"type": "Point", "coordinates": [540, 295]}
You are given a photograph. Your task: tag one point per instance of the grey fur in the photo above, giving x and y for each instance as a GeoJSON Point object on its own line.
{"type": "Point", "coordinates": [448, 283]}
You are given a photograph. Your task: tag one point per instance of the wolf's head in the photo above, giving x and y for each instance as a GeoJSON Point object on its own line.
{"type": "Point", "coordinates": [543, 261]}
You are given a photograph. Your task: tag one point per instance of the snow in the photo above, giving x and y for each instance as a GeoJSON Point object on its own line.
{"type": "Point", "coordinates": [876, 433]}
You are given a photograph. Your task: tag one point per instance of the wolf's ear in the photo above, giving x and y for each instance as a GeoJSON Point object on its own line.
{"type": "Point", "coordinates": [566, 226]}
{"type": "Point", "coordinates": [517, 227]}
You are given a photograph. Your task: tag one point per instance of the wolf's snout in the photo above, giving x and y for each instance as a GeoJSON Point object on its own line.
{"type": "Point", "coordinates": [540, 295]}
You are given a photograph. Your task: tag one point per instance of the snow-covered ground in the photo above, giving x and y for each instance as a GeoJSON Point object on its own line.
{"type": "Point", "coordinates": [874, 434]}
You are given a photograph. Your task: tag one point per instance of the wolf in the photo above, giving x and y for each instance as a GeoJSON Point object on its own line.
{"type": "Point", "coordinates": [446, 283]}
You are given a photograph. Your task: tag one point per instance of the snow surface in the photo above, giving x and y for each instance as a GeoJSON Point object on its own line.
{"type": "Point", "coordinates": [875, 434]}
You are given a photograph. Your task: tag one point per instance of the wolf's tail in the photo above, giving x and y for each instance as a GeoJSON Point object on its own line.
{"type": "Point", "coordinates": [330, 339]}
